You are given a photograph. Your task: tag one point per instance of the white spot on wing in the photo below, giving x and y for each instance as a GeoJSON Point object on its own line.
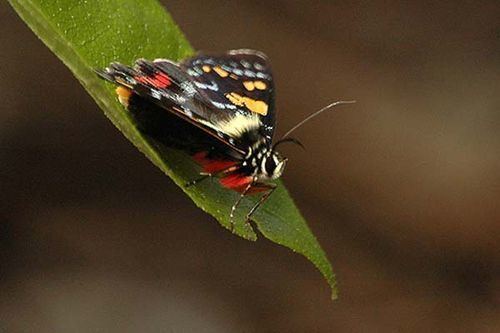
{"type": "Point", "coordinates": [155, 93]}
{"type": "Point", "coordinates": [249, 73]}
{"type": "Point", "coordinates": [223, 105]}
{"type": "Point", "coordinates": [213, 86]}
{"type": "Point", "coordinates": [180, 99]}
{"type": "Point", "coordinates": [188, 88]}
{"type": "Point", "coordinates": [237, 71]}
{"type": "Point", "coordinates": [262, 76]}
{"type": "Point", "coordinates": [165, 60]}
{"type": "Point", "coordinates": [245, 63]}
{"type": "Point", "coordinates": [192, 72]}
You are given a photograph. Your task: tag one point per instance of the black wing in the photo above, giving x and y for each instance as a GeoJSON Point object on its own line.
{"type": "Point", "coordinates": [237, 83]}
{"type": "Point", "coordinates": [228, 107]}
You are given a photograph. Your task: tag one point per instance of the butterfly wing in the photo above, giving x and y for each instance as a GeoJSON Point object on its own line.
{"type": "Point", "coordinates": [238, 84]}
{"type": "Point", "coordinates": [227, 96]}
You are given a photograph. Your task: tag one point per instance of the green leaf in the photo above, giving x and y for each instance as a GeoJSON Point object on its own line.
{"type": "Point", "coordinates": [90, 34]}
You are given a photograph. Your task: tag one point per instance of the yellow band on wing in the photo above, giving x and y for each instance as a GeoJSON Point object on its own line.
{"type": "Point", "coordinates": [253, 105]}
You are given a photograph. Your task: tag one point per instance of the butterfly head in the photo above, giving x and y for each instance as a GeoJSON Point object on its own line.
{"type": "Point", "coordinates": [273, 165]}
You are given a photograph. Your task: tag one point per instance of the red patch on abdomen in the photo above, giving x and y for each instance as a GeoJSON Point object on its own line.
{"type": "Point", "coordinates": [233, 180]}
{"type": "Point", "coordinates": [236, 182]}
{"type": "Point", "coordinates": [239, 183]}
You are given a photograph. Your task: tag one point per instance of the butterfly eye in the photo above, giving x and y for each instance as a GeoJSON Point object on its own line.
{"type": "Point", "coordinates": [270, 165]}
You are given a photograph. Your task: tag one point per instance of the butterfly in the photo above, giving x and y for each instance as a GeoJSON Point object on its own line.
{"type": "Point", "coordinates": [218, 108]}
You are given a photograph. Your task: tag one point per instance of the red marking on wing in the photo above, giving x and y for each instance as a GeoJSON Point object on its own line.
{"type": "Point", "coordinates": [210, 165]}
{"type": "Point", "coordinates": [162, 80]}
{"type": "Point", "coordinates": [159, 80]}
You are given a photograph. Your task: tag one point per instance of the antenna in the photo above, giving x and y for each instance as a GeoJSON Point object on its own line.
{"type": "Point", "coordinates": [329, 106]}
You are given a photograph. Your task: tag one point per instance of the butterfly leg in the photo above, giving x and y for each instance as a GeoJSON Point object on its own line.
{"type": "Point", "coordinates": [205, 175]}
{"type": "Point", "coordinates": [270, 189]}
{"type": "Point", "coordinates": [237, 203]}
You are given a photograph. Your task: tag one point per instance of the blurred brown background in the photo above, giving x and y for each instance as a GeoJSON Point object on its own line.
{"type": "Point", "coordinates": [402, 189]}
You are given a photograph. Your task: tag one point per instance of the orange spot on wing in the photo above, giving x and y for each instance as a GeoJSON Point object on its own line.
{"type": "Point", "coordinates": [235, 98]}
{"type": "Point", "coordinates": [260, 85]}
{"type": "Point", "coordinates": [249, 85]}
{"type": "Point", "coordinates": [252, 85]}
{"type": "Point", "coordinates": [123, 95]}
{"type": "Point", "coordinates": [206, 68]}
{"type": "Point", "coordinates": [220, 71]}
{"type": "Point", "coordinates": [259, 107]}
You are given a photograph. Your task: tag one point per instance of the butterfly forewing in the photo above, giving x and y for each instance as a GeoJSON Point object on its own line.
{"type": "Point", "coordinates": [237, 84]}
